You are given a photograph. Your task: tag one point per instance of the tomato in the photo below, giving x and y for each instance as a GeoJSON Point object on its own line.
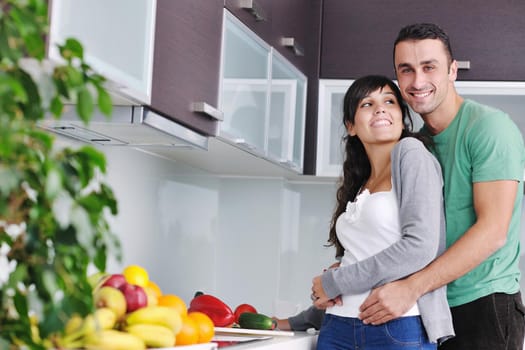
{"type": "Point", "coordinates": [243, 308]}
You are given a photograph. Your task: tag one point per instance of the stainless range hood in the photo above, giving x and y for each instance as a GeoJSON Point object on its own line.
{"type": "Point", "coordinates": [135, 126]}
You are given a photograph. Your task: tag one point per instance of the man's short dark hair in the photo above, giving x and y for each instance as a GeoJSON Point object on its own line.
{"type": "Point", "coordinates": [421, 31]}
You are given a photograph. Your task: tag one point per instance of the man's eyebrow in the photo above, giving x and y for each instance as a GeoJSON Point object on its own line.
{"type": "Point", "coordinates": [405, 65]}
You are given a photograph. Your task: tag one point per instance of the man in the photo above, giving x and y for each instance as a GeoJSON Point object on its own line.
{"type": "Point", "coordinates": [481, 153]}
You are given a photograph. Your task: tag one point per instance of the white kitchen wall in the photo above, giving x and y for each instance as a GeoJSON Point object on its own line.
{"type": "Point", "coordinates": [258, 241]}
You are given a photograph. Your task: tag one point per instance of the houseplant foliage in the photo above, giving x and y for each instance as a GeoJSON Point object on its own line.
{"type": "Point", "coordinates": [54, 205]}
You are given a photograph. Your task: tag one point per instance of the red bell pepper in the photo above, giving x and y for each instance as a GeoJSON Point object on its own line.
{"type": "Point", "coordinates": [243, 308]}
{"type": "Point", "coordinates": [220, 313]}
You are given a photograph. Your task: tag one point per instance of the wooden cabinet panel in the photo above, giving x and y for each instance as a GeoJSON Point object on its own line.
{"type": "Point", "coordinates": [358, 37]}
{"type": "Point", "coordinates": [187, 60]}
{"type": "Point", "coordinates": [283, 19]}
{"type": "Point", "coordinates": [258, 19]}
{"type": "Point", "coordinates": [290, 21]}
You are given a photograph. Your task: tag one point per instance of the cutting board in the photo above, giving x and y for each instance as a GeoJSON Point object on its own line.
{"type": "Point", "coordinates": [233, 330]}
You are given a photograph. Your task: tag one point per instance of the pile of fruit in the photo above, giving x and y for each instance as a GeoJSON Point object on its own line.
{"type": "Point", "coordinates": [131, 312]}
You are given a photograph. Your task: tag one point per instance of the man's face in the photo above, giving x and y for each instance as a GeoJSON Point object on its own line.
{"type": "Point", "coordinates": [423, 73]}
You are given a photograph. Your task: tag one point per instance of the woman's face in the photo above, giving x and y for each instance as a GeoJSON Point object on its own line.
{"type": "Point", "coordinates": [378, 118]}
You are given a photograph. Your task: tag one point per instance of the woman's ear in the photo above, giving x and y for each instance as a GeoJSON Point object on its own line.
{"type": "Point", "coordinates": [350, 129]}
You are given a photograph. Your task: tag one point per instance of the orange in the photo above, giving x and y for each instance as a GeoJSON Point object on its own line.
{"type": "Point", "coordinates": [136, 275]}
{"type": "Point", "coordinates": [189, 333]}
{"type": "Point", "coordinates": [155, 287]}
{"type": "Point", "coordinates": [205, 324]}
{"type": "Point", "coordinates": [173, 301]}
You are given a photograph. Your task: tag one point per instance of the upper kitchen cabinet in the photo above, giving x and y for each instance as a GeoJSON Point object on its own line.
{"type": "Point", "coordinates": [187, 62]}
{"type": "Point", "coordinates": [283, 25]}
{"type": "Point", "coordinates": [358, 36]}
{"type": "Point", "coordinates": [263, 97]}
{"type": "Point", "coordinates": [118, 38]}
{"type": "Point", "coordinates": [160, 53]}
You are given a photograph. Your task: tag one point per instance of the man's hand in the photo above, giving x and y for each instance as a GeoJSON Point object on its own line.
{"type": "Point", "coordinates": [388, 302]}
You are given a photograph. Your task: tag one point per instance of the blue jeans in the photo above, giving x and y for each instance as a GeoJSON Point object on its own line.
{"type": "Point", "coordinates": [348, 333]}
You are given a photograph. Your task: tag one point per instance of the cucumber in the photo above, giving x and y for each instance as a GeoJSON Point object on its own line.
{"type": "Point", "coordinates": [252, 320]}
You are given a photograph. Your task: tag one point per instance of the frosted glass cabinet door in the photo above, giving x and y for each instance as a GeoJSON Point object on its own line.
{"type": "Point", "coordinates": [118, 39]}
{"type": "Point", "coordinates": [287, 113]}
{"type": "Point", "coordinates": [330, 128]}
{"type": "Point", "coordinates": [245, 86]}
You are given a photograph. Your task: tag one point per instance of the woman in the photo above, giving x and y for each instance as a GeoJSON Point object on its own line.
{"type": "Point", "coordinates": [389, 222]}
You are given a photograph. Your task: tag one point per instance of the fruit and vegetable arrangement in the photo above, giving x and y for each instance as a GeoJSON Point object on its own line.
{"type": "Point", "coordinates": [131, 312]}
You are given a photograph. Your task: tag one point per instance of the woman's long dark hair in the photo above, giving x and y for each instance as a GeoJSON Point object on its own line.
{"type": "Point", "coordinates": [356, 166]}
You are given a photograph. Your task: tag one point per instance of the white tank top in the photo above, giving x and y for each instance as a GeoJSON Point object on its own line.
{"type": "Point", "coordinates": [369, 225]}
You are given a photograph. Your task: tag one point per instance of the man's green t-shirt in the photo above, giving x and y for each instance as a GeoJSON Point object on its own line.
{"type": "Point", "coordinates": [481, 144]}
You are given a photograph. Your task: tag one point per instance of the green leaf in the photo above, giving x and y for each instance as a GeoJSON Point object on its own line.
{"type": "Point", "coordinates": [104, 101]}
{"type": "Point", "coordinates": [59, 78]}
{"type": "Point", "coordinates": [13, 86]}
{"type": "Point", "coordinates": [71, 49]}
{"type": "Point", "coordinates": [56, 107]}
{"type": "Point", "coordinates": [85, 104]}
{"type": "Point", "coordinates": [94, 157]}
{"type": "Point", "coordinates": [35, 45]}
{"type": "Point", "coordinates": [9, 179]}
{"type": "Point", "coordinates": [111, 201]}
{"type": "Point", "coordinates": [74, 77]}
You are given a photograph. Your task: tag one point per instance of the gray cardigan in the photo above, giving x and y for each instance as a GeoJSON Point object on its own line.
{"type": "Point", "coordinates": [417, 182]}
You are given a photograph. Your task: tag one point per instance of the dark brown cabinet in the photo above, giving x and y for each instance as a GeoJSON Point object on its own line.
{"type": "Point", "coordinates": [186, 61]}
{"type": "Point", "coordinates": [283, 24]}
{"type": "Point", "coordinates": [358, 36]}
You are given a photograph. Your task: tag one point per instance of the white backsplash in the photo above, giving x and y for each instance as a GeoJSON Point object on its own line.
{"type": "Point", "coordinates": [245, 240]}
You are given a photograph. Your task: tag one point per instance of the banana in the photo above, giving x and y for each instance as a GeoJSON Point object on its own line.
{"type": "Point", "coordinates": [153, 335]}
{"type": "Point", "coordinates": [105, 317]}
{"type": "Point", "coordinates": [73, 324]}
{"type": "Point", "coordinates": [102, 318]}
{"type": "Point", "coordinates": [111, 339]}
{"type": "Point", "coordinates": [77, 328]}
{"type": "Point", "coordinates": [159, 315]}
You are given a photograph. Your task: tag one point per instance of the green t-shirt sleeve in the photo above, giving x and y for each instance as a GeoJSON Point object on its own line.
{"type": "Point", "coordinates": [496, 148]}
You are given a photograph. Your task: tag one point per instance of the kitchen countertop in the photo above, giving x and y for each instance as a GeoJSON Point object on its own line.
{"type": "Point", "coordinates": [299, 341]}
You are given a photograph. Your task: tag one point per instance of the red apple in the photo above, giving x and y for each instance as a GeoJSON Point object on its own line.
{"type": "Point", "coordinates": [115, 280]}
{"type": "Point", "coordinates": [136, 297]}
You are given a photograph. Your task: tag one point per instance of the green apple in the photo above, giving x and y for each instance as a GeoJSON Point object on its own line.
{"type": "Point", "coordinates": [112, 298]}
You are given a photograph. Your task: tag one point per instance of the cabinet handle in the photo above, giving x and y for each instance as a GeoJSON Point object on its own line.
{"type": "Point", "coordinates": [243, 143]}
{"type": "Point", "coordinates": [463, 64]}
{"type": "Point", "coordinates": [254, 8]}
{"type": "Point", "coordinates": [288, 163]}
{"type": "Point", "coordinates": [203, 107]}
{"type": "Point", "coordinates": [293, 44]}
